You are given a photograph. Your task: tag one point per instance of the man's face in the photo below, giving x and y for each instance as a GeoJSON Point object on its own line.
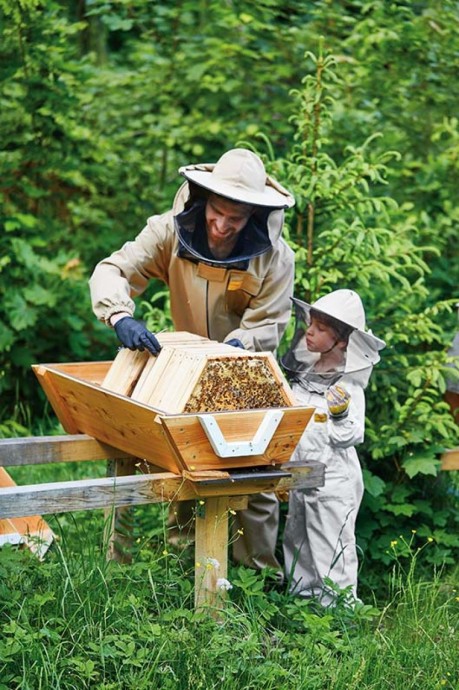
{"type": "Point", "coordinates": [224, 221]}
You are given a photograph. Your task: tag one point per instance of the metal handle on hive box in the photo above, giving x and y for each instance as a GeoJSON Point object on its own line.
{"type": "Point", "coordinates": [256, 446]}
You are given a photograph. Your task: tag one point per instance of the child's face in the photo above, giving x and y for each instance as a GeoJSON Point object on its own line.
{"type": "Point", "coordinates": [320, 337]}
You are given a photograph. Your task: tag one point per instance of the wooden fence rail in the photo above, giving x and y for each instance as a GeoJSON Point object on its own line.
{"type": "Point", "coordinates": [219, 491]}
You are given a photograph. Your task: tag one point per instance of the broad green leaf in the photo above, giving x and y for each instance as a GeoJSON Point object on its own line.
{"type": "Point", "coordinates": [401, 509]}
{"type": "Point", "coordinates": [421, 464]}
{"type": "Point", "coordinates": [20, 314]}
{"type": "Point", "coordinates": [373, 484]}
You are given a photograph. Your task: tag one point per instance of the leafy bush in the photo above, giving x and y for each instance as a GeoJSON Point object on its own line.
{"type": "Point", "coordinates": [101, 103]}
{"type": "Point", "coordinates": [347, 233]}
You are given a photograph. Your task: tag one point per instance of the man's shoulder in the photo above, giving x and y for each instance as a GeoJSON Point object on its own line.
{"type": "Point", "coordinates": [281, 251]}
{"type": "Point", "coordinates": [286, 248]}
{"type": "Point", "coordinates": [161, 224]}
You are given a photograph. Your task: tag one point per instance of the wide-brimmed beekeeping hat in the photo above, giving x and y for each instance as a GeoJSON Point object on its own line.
{"type": "Point", "coordinates": [239, 175]}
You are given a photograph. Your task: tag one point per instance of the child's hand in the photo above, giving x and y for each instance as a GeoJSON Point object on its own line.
{"type": "Point", "coordinates": [338, 400]}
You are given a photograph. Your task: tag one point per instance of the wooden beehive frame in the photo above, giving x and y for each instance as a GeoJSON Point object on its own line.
{"type": "Point", "coordinates": [151, 422]}
{"type": "Point", "coordinates": [192, 374]}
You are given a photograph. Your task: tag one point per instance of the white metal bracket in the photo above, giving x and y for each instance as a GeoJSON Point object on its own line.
{"type": "Point", "coordinates": [256, 446]}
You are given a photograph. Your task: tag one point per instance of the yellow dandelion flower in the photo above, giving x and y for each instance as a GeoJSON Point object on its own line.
{"type": "Point", "coordinates": [393, 543]}
{"type": "Point", "coordinates": [413, 531]}
{"type": "Point", "coordinates": [198, 565]}
{"type": "Point", "coordinates": [201, 502]}
{"type": "Point", "coordinates": [165, 552]}
{"type": "Point", "coordinates": [430, 539]}
{"type": "Point", "coordinates": [240, 531]}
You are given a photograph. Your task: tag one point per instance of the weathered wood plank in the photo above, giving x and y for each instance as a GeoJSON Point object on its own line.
{"type": "Point", "coordinates": [119, 523]}
{"type": "Point", "coordinates": [32, 531]}
{"type": "Point", "coordinates": [88, 494]}
{"type": "Point", "coordinates": [303, 476]}
{"type": "Point", "coordinates": [450, 459]}
{"type": "Point", "coordinates": [211, 551]}
{"type": "Point", "coordinates": [40, 450]}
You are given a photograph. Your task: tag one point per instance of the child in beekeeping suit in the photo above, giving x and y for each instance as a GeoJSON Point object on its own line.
{"type": "Point", "coordinates": [329, 363]}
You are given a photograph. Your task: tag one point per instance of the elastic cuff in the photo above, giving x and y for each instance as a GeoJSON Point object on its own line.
{"type": "Point", "coordinates": [114, 318]}
{"type": "Point", "coordinates": [113, 312]}
{"type": "Point", "coordinates": [337, 417]}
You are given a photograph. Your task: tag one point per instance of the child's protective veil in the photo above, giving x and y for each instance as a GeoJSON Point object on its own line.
{"type": "Point", "coordinates": [343, 311]}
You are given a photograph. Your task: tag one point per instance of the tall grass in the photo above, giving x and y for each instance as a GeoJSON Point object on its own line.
{"type": "Point", "coordinates": [76, 621]}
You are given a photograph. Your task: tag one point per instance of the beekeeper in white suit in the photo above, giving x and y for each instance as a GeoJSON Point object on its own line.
{"type": "Point", "coordinates": [329, 363]}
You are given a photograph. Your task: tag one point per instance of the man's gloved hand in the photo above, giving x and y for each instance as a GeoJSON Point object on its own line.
{"type": "Point", "coordinates": [234, 342]}
{"type": "Point", "coordinates": [135, 336]}
{"type": "Point", "coordinates": [338, 400]}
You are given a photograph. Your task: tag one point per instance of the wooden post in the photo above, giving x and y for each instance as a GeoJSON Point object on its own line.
{"type": "Point", "coordinates": [211, 551]}
{"type": "Point", "coordinates": [119, 521]}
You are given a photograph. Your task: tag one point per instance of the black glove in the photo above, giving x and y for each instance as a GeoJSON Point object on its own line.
{"type": "Point", "coordinates": [135, 336]}
{"type": "Point", "coordinates": [234, 342]}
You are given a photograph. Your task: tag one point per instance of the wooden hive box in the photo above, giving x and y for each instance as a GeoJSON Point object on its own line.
{"type": "Point", "coordinates": [199, 405]}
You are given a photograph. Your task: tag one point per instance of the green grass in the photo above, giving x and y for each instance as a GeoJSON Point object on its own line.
{"type": "Point", "coordinates": [75, 621]}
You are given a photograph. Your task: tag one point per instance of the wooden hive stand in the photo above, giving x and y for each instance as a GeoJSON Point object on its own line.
{"type": "Point", "coordinates": [210, 422]}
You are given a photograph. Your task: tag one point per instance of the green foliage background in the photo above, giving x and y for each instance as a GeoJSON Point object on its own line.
{"type": "Point", "coordinates": [352, 106]}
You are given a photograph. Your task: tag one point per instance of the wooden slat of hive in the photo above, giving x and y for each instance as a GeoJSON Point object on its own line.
{"type": "Point", "coordinates": [126, 370]}
{"type": "Point", "coordinates": [171, 382]}
{"type": "Point", "coordinates": [177, 338]}
{"type": "Point", "coordinates": [189, 368]}
{"type": "Point", "coordinates": [131, 368]}
{"type": "Point", "coordinates": [136, 393]}
{"type": "Point", "coordinates": [153, 376]}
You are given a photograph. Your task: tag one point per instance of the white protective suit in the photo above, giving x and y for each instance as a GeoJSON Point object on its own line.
{"type": "Point", "coordinates": [319, 537]}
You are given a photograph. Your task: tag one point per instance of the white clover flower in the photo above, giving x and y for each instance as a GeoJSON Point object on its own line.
{"type": "Point", "coordinates": [224, 584]}
{"type": "Point", "coordinates": [212, 563]}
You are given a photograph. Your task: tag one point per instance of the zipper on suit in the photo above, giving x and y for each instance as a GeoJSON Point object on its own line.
{"type": "Point", "coordinates": [207, 310]}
